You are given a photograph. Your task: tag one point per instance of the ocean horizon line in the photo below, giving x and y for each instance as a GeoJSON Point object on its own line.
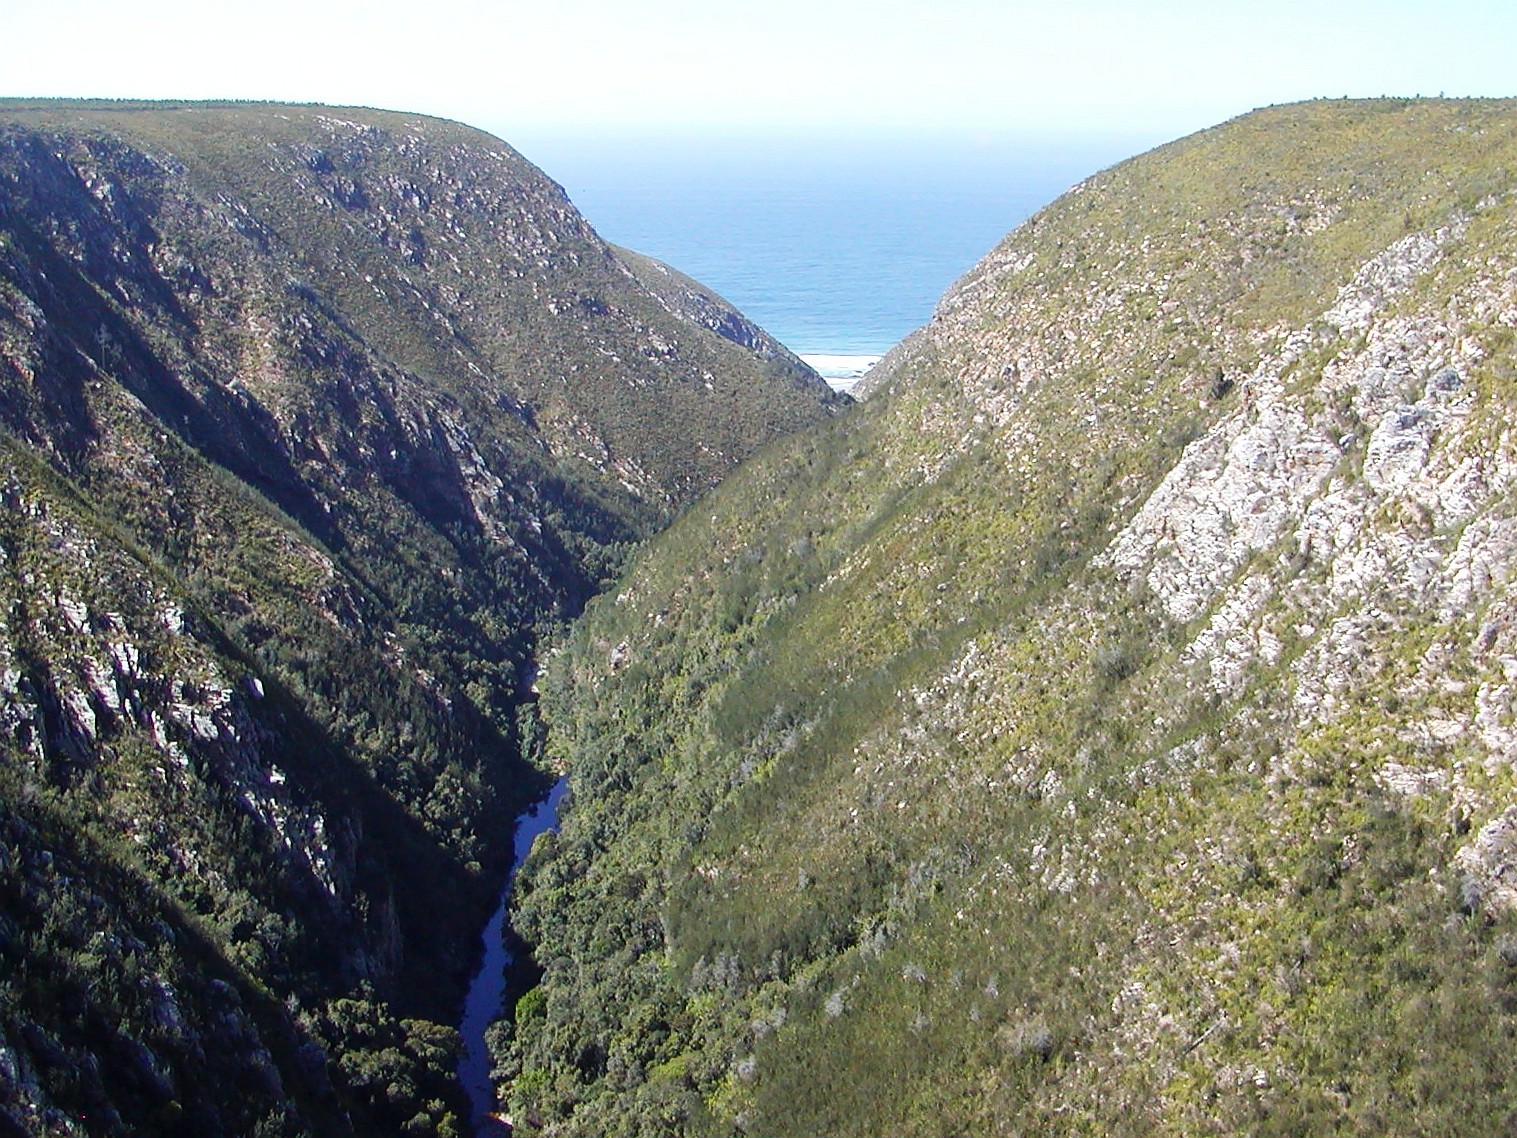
{"type": "Point", "coordinates": [838, 254]}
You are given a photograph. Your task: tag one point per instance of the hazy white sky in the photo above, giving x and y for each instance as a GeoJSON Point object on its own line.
{"type": "Point", "coordinates": [807, 66]}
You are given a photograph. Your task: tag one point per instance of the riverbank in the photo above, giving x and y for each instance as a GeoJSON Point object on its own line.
{"type": "Point", "coordinates": [486, 998]}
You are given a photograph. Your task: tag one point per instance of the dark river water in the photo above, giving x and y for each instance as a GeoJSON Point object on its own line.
{"type": "Point", "coordinates": [487, 992]}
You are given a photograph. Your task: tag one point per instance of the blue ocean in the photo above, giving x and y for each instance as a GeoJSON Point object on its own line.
{"type": "Point", "coordinates": [838, 248]}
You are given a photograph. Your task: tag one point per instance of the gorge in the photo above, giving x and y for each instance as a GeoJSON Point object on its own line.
{"type": "Point", "coordinates": [1103, 728]}
{"type": "Point", "coordinates": [1105, 725]}
{"type": "Point", "coordinates": [485, 1001]}
{"type": "Point", "coordinates": [315, 422]}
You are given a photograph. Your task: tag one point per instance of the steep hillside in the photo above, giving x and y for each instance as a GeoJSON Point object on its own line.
{"type": "Point", "coordinates": [1107, 727]}
{"type": "Point", "coordinates": [314, 420]}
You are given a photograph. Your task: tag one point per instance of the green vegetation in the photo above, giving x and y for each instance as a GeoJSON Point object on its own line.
{"type": "Point", "coordinates": [1095, 730]}
{"type": "Point", "coordinates": [315, 422]}
{"type": "Point", "coordinates": [1106, 727]}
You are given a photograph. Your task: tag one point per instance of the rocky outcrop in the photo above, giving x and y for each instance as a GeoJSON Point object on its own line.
{"type": "Point", "coordinates": [1107, 727]}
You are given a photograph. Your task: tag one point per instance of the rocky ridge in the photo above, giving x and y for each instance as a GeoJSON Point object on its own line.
{"type": "Point", "coordinates": [315, 421]}
{"type": "Point", "coordinates": [1105, 728]}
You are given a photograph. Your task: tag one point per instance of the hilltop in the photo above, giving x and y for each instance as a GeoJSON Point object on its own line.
{"type": "Point", "coordinates": [315, 421]}
{"type": "Point", "coordinates": [1105, 727]}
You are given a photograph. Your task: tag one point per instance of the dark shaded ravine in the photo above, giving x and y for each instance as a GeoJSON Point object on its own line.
{"type": "Point", "coordinates": [486, 996]}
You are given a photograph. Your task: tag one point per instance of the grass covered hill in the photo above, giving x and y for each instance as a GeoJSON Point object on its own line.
{"type": "Point", "coordinates": [1106, 727]}
{"type": "Point", "coordinates": [313, 421]}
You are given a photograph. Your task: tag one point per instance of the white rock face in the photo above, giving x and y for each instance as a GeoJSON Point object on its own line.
{"type": "Point", "coordinates": [1346, 508]}
{"type": "Point", "coordinates": [1232, 638]}
{"type": "Point", "coordinates": [1234, 492]}
{"type": "Point", "coordinates": [1386, 276]}
{"type": "Point", "coordinates": [157, 684]}
{"type": "Point", "coordinates": [1490, 864]}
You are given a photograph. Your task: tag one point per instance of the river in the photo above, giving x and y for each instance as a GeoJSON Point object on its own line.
{"type": "Point", "coordinates": [483, 1004]}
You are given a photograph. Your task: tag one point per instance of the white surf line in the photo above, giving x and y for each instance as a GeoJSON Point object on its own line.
{"type": "Point", "coordinates": [840, 371]}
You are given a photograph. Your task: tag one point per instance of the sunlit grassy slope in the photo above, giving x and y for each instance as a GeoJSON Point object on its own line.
{"type": "Point", "coordinates": [1106, 726]}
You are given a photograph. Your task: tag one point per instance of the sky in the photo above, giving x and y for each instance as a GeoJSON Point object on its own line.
{"type": "Point", "coordinates": [738, 68]}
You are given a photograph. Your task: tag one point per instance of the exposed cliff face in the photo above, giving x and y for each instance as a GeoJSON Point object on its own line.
{"type": "Point", "coordinates": [1105, 727]}
{"type": "Point", "coordinates": [406, 260]}
{"type": "Point", "coordinates": [314, 420]}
